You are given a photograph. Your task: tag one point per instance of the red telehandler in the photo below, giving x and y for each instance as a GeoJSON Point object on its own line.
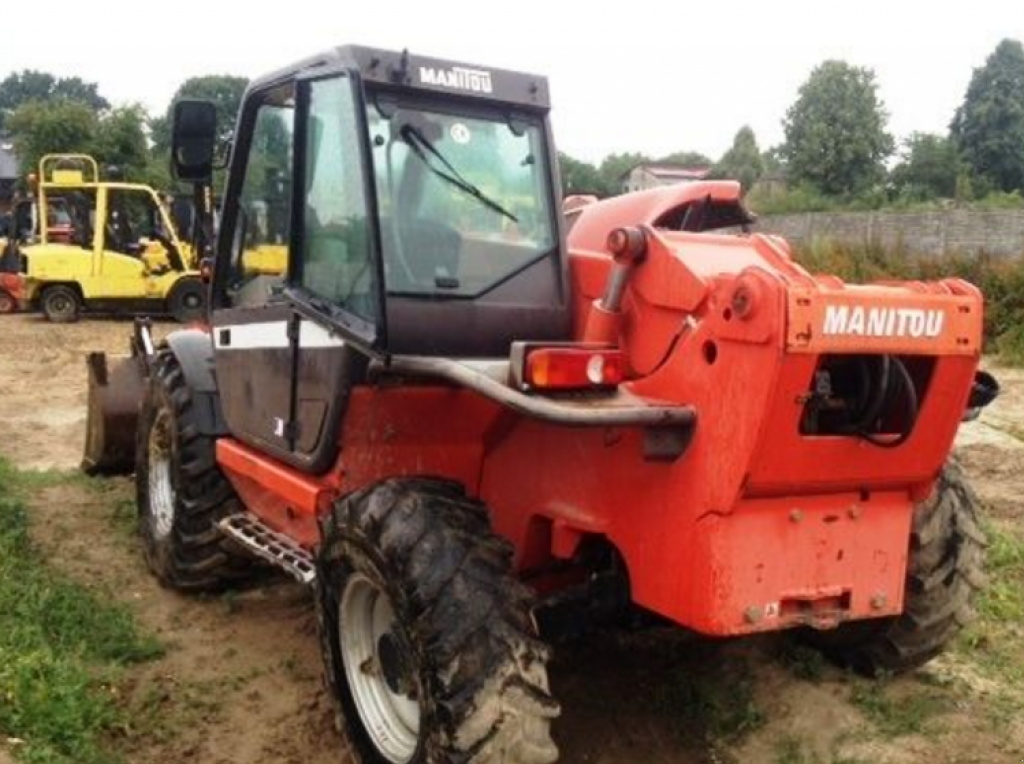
{"type": "Point", "coordinates": [469, 421]}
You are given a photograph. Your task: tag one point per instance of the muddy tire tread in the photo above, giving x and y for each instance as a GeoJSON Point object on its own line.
{"type": "Point", "coordinates": [469, 617]}
{"type": "Point", "coordinates": [196, 557]}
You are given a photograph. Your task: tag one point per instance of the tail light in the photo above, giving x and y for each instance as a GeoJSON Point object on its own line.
{"type": "Point", "coordinates": [573, 368]}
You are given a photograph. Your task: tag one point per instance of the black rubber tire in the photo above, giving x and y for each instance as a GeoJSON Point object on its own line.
{"type": "Point", "coordinates": [194, 555]}
{"type": "Point", "coordinates": [187, 301]}
{"type": "Point", "coordinates": [7, 303]}
{"type": "Point", "coordinates": [462, 616]}
{"type": "Point", "coordinates": [945, 574]}
{"type": "Point", "coordinates": [61, 304]}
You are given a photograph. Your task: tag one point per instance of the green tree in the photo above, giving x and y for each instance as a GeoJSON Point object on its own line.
{"type": "Point", "coordinates": [30, 85]}
{"type": "Point", "coordinates": [743, 160]}
{"type": "Point", "coordinates": [77, 89]}
{"type": "Point", "coordinates": [928, 168]}
{"type": "Point", "coordinates": [121, 141]}
{"type": "Point", "coordinates": [116, 138]}
{"type": "Point", "coordinates": [40, 128]}
{"type": "Point", "coordinates": [579, 177]}
{"type": "Point", "coordinates": [836, 137]}
{"type": "Point", "coordinates": [988, 128]}
{"type": "Point", "coordinates": [223, 90]}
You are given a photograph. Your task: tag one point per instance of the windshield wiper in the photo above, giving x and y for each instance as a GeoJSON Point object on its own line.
{"type": "Point", "coordinates": [452, 175]}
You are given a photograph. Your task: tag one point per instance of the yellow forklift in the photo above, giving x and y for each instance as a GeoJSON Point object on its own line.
{"type": "Point", "coordinates": [123, 254]}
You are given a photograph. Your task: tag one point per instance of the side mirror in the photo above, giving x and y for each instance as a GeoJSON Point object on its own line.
{"type": "Point", "coordinates": [194, 141]}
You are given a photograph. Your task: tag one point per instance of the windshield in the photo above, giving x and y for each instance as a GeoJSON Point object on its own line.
{"type": "Point", "coordinates": [464, 200]}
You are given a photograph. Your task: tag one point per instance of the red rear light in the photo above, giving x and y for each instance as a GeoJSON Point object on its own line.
{"type": "Point", "coordinates": [574, 368]}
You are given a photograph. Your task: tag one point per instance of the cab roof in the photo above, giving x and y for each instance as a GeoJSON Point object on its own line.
{"type": "Point", "coordinates": [412, 72]}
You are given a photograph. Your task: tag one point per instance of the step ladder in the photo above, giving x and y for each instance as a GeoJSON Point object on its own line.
{"type": "Point", "coordinates": [267, 544]}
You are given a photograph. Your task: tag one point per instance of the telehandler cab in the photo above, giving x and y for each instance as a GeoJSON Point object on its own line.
{"type": "Point", "coordinates": [122, 253]}
{"type": "Point", "coordinates": [467, 426]}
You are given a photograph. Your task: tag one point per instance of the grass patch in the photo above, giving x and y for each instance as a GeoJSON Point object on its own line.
{"type": "Point", "coordinates": [896, 714]}
{"type": "Point", "coordinates": [1003, 600]}
{"type": "Point", "coordinates": [124, 516]}
{"type": "Point", "coordinates": [995, 641]}
{"type": "Point", "coordinates": [17, 482]}
{"type": "Point", "coordinates": [62, 646]}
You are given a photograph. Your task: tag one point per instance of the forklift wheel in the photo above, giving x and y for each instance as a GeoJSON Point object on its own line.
{"type": "Point", "coordinates": [429, 645]}
{"type": "Point", "coordinates": [181, 494]}
{"type": "Point", "coordinates": [61, 304]}
{"type": "Point", "coordinates": [944, 577]}
{"type": "Point", "coordinates": [7, 303]}
{"type": "Point", "coordinates": [187, 301]}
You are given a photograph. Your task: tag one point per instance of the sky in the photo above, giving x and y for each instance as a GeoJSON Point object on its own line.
{"type": "Point", "coordinates": [654, 77]}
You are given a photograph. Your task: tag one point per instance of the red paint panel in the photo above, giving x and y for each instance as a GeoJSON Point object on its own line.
{"type": "Point", "coordinates": [766, 555]}
{"type": "Point", "coordinates": [274, 511]}
{"type": "Point", "coordinates": [286, 500]}
{"type": "Point", "coordinates": [302, 493]}
{"type": "Point", "coordinates": [883, 319]}
{"type": "Point", "coordinates": [414, 430]}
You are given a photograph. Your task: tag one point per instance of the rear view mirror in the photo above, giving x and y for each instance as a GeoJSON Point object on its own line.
{"type": "Point", "coordinates": [194, 141]}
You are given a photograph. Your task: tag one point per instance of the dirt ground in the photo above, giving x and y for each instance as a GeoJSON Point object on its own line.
{"type": "Point", "coordinates": [241, 678]}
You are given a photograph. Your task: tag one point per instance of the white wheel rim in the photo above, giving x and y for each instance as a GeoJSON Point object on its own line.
{"type": "Point", "coordinates": [161, 489]}
{"type": "Point", "coordinates": [392, 720]}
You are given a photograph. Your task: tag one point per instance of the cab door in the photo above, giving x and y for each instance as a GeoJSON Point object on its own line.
{"type": "Point", "coordinates": [289, 346]}
{"type": "Point", "coordinates": [253, 324]}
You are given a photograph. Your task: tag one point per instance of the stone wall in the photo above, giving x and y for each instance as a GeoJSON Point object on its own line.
{"type": "Point", "coordinates": [996, 232]}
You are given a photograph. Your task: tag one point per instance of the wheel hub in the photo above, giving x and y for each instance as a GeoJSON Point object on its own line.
{"type": "Point", "coordinates": [395, 666]}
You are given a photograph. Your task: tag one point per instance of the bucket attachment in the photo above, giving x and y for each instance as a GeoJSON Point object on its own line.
{"type": "Point", "coordinates": [116, 387]}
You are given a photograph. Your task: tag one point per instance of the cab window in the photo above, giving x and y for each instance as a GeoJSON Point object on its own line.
{"type": "Point", "coordinates": [259, 253]}
{"type": "Point", "coordinates": [336, 258]}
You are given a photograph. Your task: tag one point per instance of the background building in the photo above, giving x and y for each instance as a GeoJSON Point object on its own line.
{"type": "Point", "coordinates": [652, 175]}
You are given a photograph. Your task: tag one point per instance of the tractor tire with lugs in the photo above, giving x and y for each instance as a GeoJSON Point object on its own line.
{"type": "Point", "coordinates": [430, 648]}
{"type": "Point", "coordinates": [180, 491]}
{"type": "Point", "coordinates": [944, 576]}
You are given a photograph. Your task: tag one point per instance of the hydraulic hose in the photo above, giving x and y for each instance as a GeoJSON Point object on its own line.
{"type": "Point", "coordinates": [905, 383]}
